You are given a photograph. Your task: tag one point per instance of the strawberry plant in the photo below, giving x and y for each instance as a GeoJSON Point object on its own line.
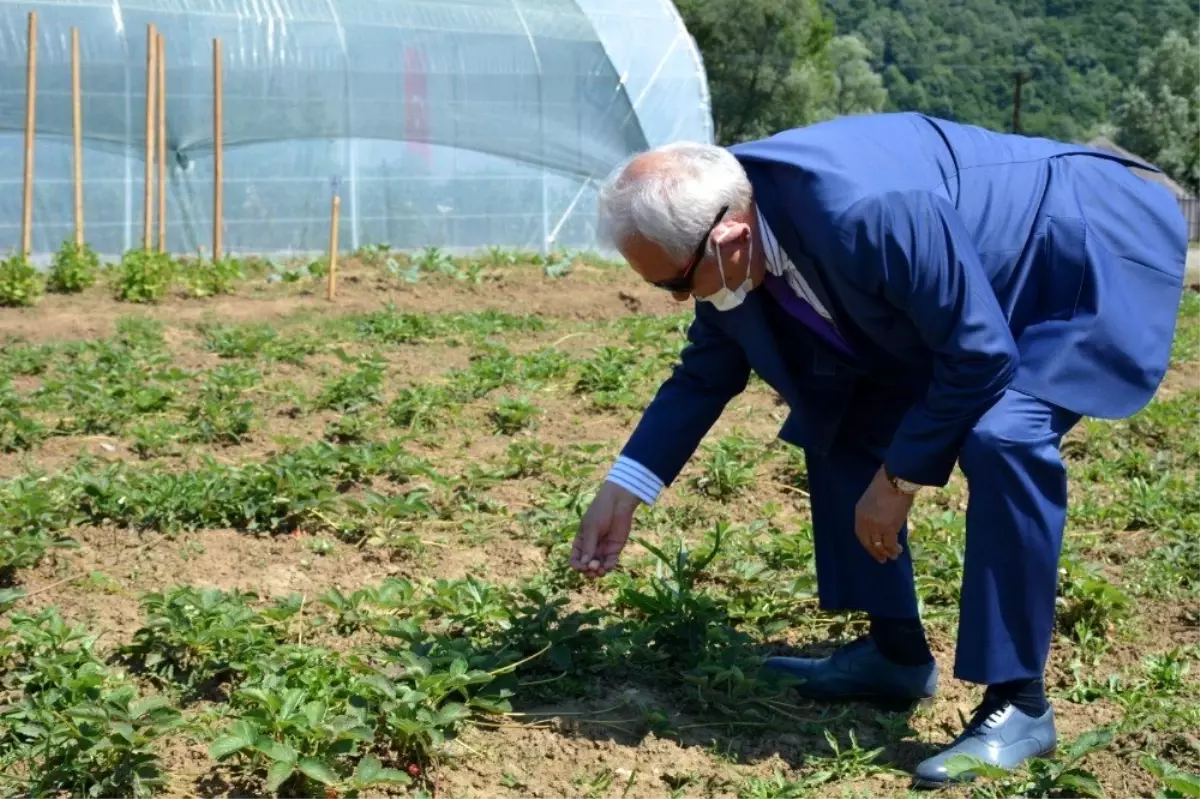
{"type": "Point", "coordinates": [20, 282]}
{"type": "Point", "coordinates": [17, 431]}
{"type": "Point", "coordinates": [74, 726]}
{"type": "Point", "coordinates": [73, 268]}
{"type": "Point", "coordinates": [513, 415]}
{"type": "Point", "coordinates": [206, 278]}
{"type": "Point", "coordinates": [362, 387]}
{"type": "Point", "coordinates": [143, 276]}
{"type": "Point", "coordinates": [193, 638]}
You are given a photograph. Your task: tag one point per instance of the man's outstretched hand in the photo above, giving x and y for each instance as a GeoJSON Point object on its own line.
{"type": "Point", "coordinates": [604, 530]}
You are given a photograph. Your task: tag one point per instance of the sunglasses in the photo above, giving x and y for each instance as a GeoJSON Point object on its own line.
{"type": "Point", "coordinates": [682, 283]}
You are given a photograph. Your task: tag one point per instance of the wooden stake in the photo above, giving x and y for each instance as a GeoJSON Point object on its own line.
{"type": "Point", "coordinates": [77, 120]}
{"type": "Point", "coordinates": [334, 213]}
{"type": "Point", "coordinates": [30, 113]}
{"type": "Point", "coordinates": [218, 161]}
{"type": "Point", "coordinates": [161, 56]}
{"type": "Point", "coordinates": [151, 122]}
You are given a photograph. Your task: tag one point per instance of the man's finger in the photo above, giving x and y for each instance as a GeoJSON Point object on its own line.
{"type": "Point", "coordinates": [584, 549]}
{"type": "Point", "coordinates": [876, 545]}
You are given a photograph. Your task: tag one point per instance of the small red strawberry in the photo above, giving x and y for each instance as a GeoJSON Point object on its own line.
{"type": "Point", "coordinates": [414, 770]}
{"type": "Point", "coordinates": [331, 793]}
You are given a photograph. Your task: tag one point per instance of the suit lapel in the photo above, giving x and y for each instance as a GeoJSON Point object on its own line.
{"type": "Point", "coordinates": [766, 196]}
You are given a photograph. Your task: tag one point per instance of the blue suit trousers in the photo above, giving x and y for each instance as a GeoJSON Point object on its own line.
{"type": "Point", "coordinates": [1016, 514]}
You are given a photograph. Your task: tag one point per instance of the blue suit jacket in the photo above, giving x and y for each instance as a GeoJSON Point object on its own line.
{"type": "Point", "coordinates": [958, 263]}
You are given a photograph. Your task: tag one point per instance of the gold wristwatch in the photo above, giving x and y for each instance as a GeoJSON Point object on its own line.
{"type": "Point", "coordinates": [899, 485]}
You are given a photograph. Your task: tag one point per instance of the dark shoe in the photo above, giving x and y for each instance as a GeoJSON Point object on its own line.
{"type": "Point", "coordinates": [999, 735]}
{"type": "Point", "coordinates": [857, 670]}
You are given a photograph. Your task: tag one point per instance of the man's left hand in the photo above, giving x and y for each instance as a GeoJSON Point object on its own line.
{"type": "Point", "coordinates": [879, 516]}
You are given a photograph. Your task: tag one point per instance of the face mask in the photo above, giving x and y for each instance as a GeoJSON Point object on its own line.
{"type": "Point", "coordinates": [726, 299]}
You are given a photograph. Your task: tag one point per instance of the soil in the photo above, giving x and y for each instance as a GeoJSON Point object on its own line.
{"type": "Point", "coordinates": [556, 751]}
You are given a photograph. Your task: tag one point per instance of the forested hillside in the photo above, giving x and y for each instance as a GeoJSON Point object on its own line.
{"type": "Point", "coordinates": [1126, 68]}
{"type": "Point", "coordinates": [958, 57]}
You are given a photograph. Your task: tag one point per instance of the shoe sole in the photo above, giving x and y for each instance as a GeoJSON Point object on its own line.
{"type": "Point", "coordinates": [933, 785]}
{"type": "Point", "coordinates": [894, 704]}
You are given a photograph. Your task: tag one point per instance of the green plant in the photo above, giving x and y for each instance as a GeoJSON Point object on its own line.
{"type": "Point", "coordinates": [727, 469]}
{"type": "Point", "coordinates": [20, 282]}
{"type": "Point", "coordinates": [143, 276]}
{"type": "Point", "coordinates": [193, 638]}
{"type": "Point", "coordinates": [1040, 777]}
{"type": "Point", "coordinates": [513, 415]}
{"type": "Point", "coordinates": [1176, 783]}
{"type": "Point", "coordinates": [73, 269]}
{"type": "Point", "coordinates": [72, 725]}
{"type": "Point", "coordinates": [358, 389]}
{"type": "Point", "coordinates": [205, 278]}
{"type": "Point", "coordinates": [18, 432]}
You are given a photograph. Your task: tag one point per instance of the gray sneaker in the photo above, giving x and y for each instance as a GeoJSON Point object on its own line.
{"type": "Point", "coordinates": [999, 735]}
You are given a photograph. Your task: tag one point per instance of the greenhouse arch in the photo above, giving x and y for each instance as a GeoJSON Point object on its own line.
{"type": "Point", "coordinates": [460, 124]}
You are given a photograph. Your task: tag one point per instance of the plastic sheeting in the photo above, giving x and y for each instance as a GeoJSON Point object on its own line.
{"type": "Point", "coordinates": [452, 123]}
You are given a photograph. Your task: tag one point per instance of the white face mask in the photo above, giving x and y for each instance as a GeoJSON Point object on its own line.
{"type": "Point", "coordinates": [726, 299]}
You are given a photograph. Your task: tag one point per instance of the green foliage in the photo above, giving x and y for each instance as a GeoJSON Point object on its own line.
{"type": "Point", "coordinates": [73, 726]}
{"type": "Point", "coordinates": [358, 689]}
{"type": "Point", "coordinates": [20, 282]}
{"type": "Point", "coordinates": [18, 432]}
{"type": "Point", "coordinates": [360, 388]}
{"type": "Point", "coordinates": [764, 60]}
{"type": "Point", "coordinates": [195, 638]}
{"type": "Point", "coordinates": [205, 278]}
{"type": "Point", "coordinates": [727, 468]}
{"type": "Point", "coordinates": [143, 276]}
{"type": "Point", "coordinates": [514, 415]}
{"type": "Point", "coordinates": [73, 269]}
{"type": "Point", "coordinates": [1176, 783]}
{"type": "Point", "coordinates": [1039, 777]}
{"type": "Point", "coordinates": [958, 60]}
{"type": "Point", "coordinates": [1089, 67]}
{"type": "Point", "coordinates": [1158, 115]}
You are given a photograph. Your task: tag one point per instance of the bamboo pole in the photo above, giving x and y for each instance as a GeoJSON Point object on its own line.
{"type": "Point", "coordinates": [218, 159]}
{"type": "Point", "coordinates": [77, 123]}
{"type": "Point", "coordinates": [151, 121]}
{"type": "Point", "coordinates": [334, 213]}
{"type": "Point", "coordinates": [160, 54]}
{"type": "Point", "coordinates": [30, 114]}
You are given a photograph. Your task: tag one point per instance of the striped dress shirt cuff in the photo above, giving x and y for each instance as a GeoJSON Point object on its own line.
{"type": "Point", "coordinates": [636, 479]}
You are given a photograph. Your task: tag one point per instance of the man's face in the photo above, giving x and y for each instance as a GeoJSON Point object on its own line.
{"type": "Point", "coordinates": [655, 266]}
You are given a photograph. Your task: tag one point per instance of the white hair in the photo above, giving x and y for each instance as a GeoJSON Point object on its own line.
{"type": "Point", "coordinates": [676, 201]}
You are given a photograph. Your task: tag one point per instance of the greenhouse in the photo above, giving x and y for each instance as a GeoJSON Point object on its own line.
{"type": "Point", "coordinates": [459, 124]}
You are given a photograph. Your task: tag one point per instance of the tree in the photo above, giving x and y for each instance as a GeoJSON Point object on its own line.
{"type": "Point", "coordinates": [856, 88]}
{"type": "Point", "coordinates": [1158, 116]}
{"type": "Point", "coordinates": [774, 64]}
{"type": "Point", "coordinates": [765, 62]}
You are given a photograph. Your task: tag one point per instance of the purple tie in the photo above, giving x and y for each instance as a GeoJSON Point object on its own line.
{"type": "Point", "coordinates": [802, 310]}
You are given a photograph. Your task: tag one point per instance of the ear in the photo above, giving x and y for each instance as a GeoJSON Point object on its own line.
{"type": "Point", "coordinates": [730, 232]}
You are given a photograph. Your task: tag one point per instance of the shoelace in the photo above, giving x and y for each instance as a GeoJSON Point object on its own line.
{"type": "Point", "coordinates": [986, 715]}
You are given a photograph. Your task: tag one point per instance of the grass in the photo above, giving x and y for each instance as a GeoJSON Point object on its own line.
{"type": "Point", "coordinates": [323, 552]}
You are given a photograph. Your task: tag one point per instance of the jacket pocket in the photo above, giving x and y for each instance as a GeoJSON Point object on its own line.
{"type": "Point", "coordinates": [1063, 266]}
